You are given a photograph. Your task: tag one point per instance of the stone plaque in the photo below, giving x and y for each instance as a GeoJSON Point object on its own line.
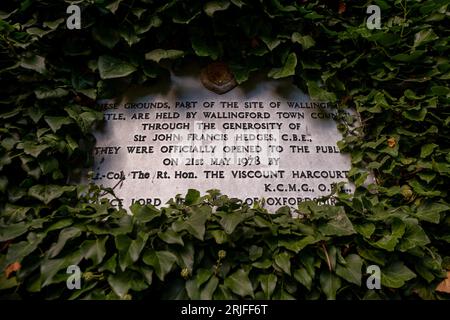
{"type": "Point", "coordinates": [264, 139]}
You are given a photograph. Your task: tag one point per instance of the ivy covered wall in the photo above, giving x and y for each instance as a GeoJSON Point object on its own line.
{"type": "Point", "coordinates": [211, 246]}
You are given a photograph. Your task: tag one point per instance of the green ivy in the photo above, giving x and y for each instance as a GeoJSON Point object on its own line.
{"type": "Point", "coordinates": [211, 246]}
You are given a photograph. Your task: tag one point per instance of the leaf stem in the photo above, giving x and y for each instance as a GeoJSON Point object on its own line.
{"type": "Point", "coordinates": [327, 256]}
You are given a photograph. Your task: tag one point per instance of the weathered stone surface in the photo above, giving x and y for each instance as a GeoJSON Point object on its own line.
{"type": "Point", "coordinates": [264, 139]}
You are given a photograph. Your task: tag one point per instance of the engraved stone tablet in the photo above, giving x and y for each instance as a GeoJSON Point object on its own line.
{"type": "Point", "coordinates": [264, 139]}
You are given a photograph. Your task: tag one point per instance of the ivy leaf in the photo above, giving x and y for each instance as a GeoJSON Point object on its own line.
{"type": "Point", "coordinates": [64, 236]}
{"type": "Point", "coordinates": [309, 262]}
{"type": "Point", "coordinates": [427, 176]}
{"type": "Point", "coordinates": [297, 245]}
{"type": "Point", "coordinates": [351, 271]}
{"type": "Point", "coordinates": [209, 289]}
{"type": "Point", "coordinates": [110, 264]}
{"type": "Point", "coordinates": [288, 68]}
{"type": "Point", "coordinates": [56, 123]}
{"type": "Point", "coordinates": [430, 212]}
{"type": "Point", "coordinates": [49, 165]}
{"type": "Point", "coordinates": [203, 275]}
{"type": "Point", "coordinates": [230, 221]}
{"type": "Point", "coordinates": [283, 8]}
{"type": "Point", "coordinates": [329, 283]}
{"type": "Point", "coordinates": [120, 283]}
{"type": "Point", "coordinates": [283, 260]}
{"type": "Point", "coordinates": [94, 249]}
{"type": "Point", "coordinates": [85, 120]}
{"type": "Point", "coordinates": [318, 93]}
{"type": "Point", "coordinates": [339, 225]}
{"type": "Point", "coordinates": [48, 193]}
{"type": "Point", "coordinates": [33, 149]}
{"type": "Point", "coordinates": [50, 267]}
{"type": "Point", "coordinates": [241, 73]}
{"type": "Point", "coordinates": [171, 237]}
{"type": "Point", "coordinates": [161, 261]}
{"type": "Point", "coordinates": [123, 244]}
{"type": "Point", "coordinates": [238, 3]}
{"type": "Point", "coordinates": [160, 54]}
{"type": "Point", "coordinates": [192, 289]}
{"type": "Point", "coordinates": [219, 236]}
{"type": "Point", "coordinates": [12, 231]}
{"type": "Point", "coordinates": [365, 229]}
{"type": "Point", "coordinates": [268, 284]}
{"type": "Point", "coordinates": [440, 90]}
{"type": "Point", "coordinates": [415, 115]}
{"type": "Point", "coordinates": [239, 283]}
{"type": "Point", "coordinates": [421, 190]}
{"type": "Point", "coordinates": [389, 241]}
{"type": "Point", "coordinates": [128, 33]}
{"type": "Point", "coordinates": [137, 245]}
{"type": "Point", "coordinates": [271, 42]}
{"type": "Point", "coordinates": [53, 24]}
{"type": "Point", "coordinates": [18, 251]}
{"type": "Point", "coordinates": [262, 264]}
{"type": "Point", "coordinates": [106, 35]}
{"type": "Point", "coordinates": [192, 197]}
{"type": "Point", "coordinates": [305, 41]}
{"type": "Point", "coordinates": [35, 114]}
{"type": "Point", "coordinates": [303, 276]}
{"type": "Point", "coordinates": [113, 6]}
{"type": "Point", "coordinates": [186, 256]}
{"type": "Point", "coordinates": [7, 283]}
{"type": "Point", "coordinates": [11, 268]}
{"type": "Point", "coordinates": [395, 275]}
{"type": "Point", "coordinates": [427, 149]}
{"type": "Point", "coordinates": [405, 57]}
{"type": "Point", "coordinates": [255, 252]}
{"type": "Point", "coordinates": [412, 95]}
{"type": "Point", "coordinates": [195, 225]}
{"type": "Point", "coordinates": [213, 6]}
{"type": "Point", "coordinates": [444, 286]}
{"type": "Point", "coordinates": [204, 49]}
{"type": "Point", "coordinates": [423, 37]}
{"type": "Point", "coordinates": [147, 273]}
{"type": "Point", "coordinates": [185, 19]}
{"type": "Point", "coordinates": [144, 214]}
{"type": "Point", "coordinates": [42, 94]}
{"type": "Point", "coordinates": [110, 67]}
{"type": "Point", "coordinates": [413, 237]}
{"type": "Point", "coordinates": [34, 62]}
